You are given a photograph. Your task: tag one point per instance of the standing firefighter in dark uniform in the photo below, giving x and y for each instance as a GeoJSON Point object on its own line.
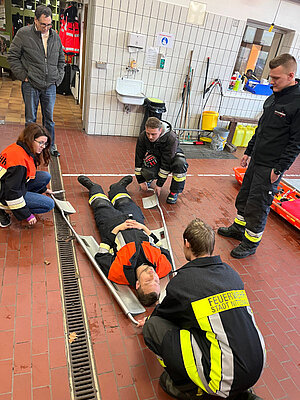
{"type": "Point", "coordinates": [157, 155]}
{"type": "Point", "coordinates": [270, 152]}
{"type": "Point", "coordinates": [204, 332]}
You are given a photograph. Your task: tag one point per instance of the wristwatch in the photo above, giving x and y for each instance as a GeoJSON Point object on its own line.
{"type": "Point", "coordinates": [277, 172]}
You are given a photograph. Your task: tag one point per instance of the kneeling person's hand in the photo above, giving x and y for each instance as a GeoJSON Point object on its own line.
{"type": "Point", "coordinates": [144, 186]}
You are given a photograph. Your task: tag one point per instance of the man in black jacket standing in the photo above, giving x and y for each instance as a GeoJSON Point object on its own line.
{"type": "Point", "coordinates": [36, 58]}
{"type": "Point", "coordinates": [157, 154]}
{"type": "Point", "coordinates": [271, 151]}
{"type": "Point", "coordinates": [203, 332]}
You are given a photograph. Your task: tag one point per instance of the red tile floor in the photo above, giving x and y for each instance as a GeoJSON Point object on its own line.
{"type": "Point", "coordinates": [33, 364]}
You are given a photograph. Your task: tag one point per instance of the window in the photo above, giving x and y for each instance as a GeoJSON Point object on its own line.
{"type": "Point", "coordinates": [257, 48]}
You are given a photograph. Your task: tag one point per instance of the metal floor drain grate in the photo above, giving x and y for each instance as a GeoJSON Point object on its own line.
{"type": "Point", "coordinates": [83, 378]}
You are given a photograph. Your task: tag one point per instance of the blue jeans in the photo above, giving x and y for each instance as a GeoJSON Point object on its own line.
{"type": "Point", "coordinates": [47, 97]}
{"type": "Point", "coordinates": [37, 202]}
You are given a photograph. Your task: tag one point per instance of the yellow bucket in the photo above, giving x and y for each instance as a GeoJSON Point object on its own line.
{"type": "Point", "coordinates": [209, 120]}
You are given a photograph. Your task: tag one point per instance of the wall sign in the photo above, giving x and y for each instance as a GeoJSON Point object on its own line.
{"type": "Point", "coordinates": [165, 40]}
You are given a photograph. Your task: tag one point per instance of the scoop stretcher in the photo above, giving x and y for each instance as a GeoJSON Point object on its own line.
{"type": "Point", "coordinates": [124, 296]}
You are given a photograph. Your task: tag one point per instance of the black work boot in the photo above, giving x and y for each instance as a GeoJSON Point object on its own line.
{"type": "Point", "coordinates": [4, 219]}
{"type": "Point", "coordinates": [234, 231]}
{"type": "Point", "coordinates": [246, 395]}
{"type": "Point", "coordinates": [115, 187]}
{"type": "Point", "coordinates": [172, 198]}
{"type": "Point", "coordinates": [124, 181]}
{"type": "Point", "coordinates": [244, 249]}
{"type": "Point", "coordinates": [85, 181]}
{"type": "Point", "coordinates": [168, 386]}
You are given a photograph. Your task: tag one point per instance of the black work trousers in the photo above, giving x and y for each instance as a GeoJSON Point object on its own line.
{"type": "Point", "coordinates": [107, 215]}
{"type": "Point", "coordinates": [162, 337]}
{"type": "Point", "coordinates": [178, 168]}
{"type": "Point", "coordinates": [255, 196]}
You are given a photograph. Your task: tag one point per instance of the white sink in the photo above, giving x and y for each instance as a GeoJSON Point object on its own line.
{"type": "Point", "coordinates": [130, 91]}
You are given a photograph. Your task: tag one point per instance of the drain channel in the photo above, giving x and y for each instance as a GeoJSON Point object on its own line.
{"type": "Point", "coordinates": [82, 372]}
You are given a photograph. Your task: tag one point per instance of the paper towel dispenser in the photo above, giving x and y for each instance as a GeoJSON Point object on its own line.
{"type": "Point", "coordinates": [136, 40]}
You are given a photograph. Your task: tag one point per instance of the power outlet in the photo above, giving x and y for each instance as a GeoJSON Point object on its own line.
{"type": "Point", "coordinates": [101, 65]}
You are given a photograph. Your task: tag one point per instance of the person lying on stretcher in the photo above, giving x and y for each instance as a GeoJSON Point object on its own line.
{"type": "Point", "coordinates": [129, 253]}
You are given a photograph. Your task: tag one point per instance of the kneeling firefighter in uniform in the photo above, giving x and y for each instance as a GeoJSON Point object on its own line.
{"type": "Point", "coordinates": [157, 154]}
{"type": "Point", "coordinates": [203, 332]}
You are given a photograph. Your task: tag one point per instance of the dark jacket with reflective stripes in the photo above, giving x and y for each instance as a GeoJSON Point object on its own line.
{"type": "Point", "coordinates": [17, 166]}
{"type": "Point", "coordinates": [276, 142]}
{"type": "Point", "coordinates": [164, 149]}
{"type": "Point", "coordinates": [207, 298]}
{"type": "Point", "coordinates": [119, 263]}
{"type": "Point", "coordinates": [27, 58]}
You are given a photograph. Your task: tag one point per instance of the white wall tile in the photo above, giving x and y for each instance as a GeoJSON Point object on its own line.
{"type": "Point", "coordinates": [193, 34]}
{"type": "Point", "coordinates": [223, 40]}
{"type": "Point", "coordinates": [167, 26]}
{"type": "Point", "coordinates": [140, 7]}
{"type": "Point", "coordinates": [116, 4]}
{"type": "Point", "coordinates": [99, 116]}
{"type": "Point", "coordinates": [111, 56]}
{"type": "Point", "coordinates": [96, 53]}
{"type": "Point", "coordinates": [113, 38]}
{"type": "Point", "coordinates": [124, 5]}
{"type": "Point", "coordinates": [130, 23]}
{"type": "Point", "coordinates": [145, 25]}
{"type": "Point", "coordinates": [228, 25]}
{"type": "Point", "coordinates": [159, 26]}
{"type": "Point", "coordinates": [162, 10]}
{"type": "Point", "coordinates": [121, 39]}
{"type": "Point", "coordinates": [206, 37]}
{"type": "Point", "coordinates": [103, 53]}
{"type": "Point", "coordinates": [98, 15]}
{"type": "Point", "coordinates": [152, 27]}
{"type": "Point", "coordinates": [179, 34]}
{"type": "Point", "coordinates": [93, 88]}
{"type": "Point", "coordinates": [137, 23]}
{"type": "Point", "coordinates": [220, 56]}
{"type": "Point", "coordinates": [90, 128]}
{"type": "Point", "coordinates": [122, 20]}
{"type": "Point", "coordinates": [176, 14]}
{"type": "Point", "coordinates": [209, 21]}
{"type": "Point", "coordinates": [93, 100]}
{"type": "Point", "coordinates": [241, 28]}
{"type": "Point", "coordinates": [199, 35]}
{"type": "Point", "coordinates": [105, 36]}
{"type": "Point", "coordinates": [212, 38]}
{"type": "Point", "coordinates": [154, 9]}
{"type": "Point", "coordinates": [218, 41]}
{"type": "Point", "coordinates": [236, 43]}
{"type": "Point", "coordinates": [230, 42]}
{"type": "Point", "coordinates": [183, 14]}
{"type": "Point", "coordinates": [169, 12]}
{"type": "Point", "coordinates": [147, 8]}
{"type": "Point", "coordinates": [186, 33]}
{"type": "Point", "coordinates": [132, 6]}
{"type": "Point", "coordinates": [106, 17]}
{"type": "Point", "coordinates": [97, 34]}
{"type": "Point", "coordinates": [115, 19]}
